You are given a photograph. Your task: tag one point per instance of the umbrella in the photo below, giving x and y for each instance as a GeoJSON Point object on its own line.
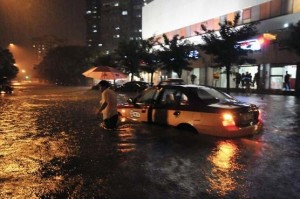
{"type": "Point", "coordinates": [104, 72]}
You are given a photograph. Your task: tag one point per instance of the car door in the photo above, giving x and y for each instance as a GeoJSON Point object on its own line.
{"type": "Point", "coordinates": [142, 109]}
{"type": "Point", "coordinates": [172, 108]}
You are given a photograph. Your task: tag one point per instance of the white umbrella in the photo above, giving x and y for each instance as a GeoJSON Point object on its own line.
{"type": "Point", "coordinates": [104, 72]}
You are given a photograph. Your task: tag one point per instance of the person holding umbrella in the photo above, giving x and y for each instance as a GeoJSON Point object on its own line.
{"type": "Point", "coordinates": [108, 106]}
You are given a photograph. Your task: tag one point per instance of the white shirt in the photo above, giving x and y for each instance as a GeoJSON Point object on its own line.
{"type": "Point", "coordinates": [110, 98]}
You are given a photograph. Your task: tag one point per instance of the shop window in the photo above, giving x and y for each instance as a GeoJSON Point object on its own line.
{"type": "Point", "coordinates": [276, 82]}
{"type": "Point", "coordinates": [277, 71]}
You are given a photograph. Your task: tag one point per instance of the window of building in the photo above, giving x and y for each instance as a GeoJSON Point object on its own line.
{"type": "Point", "coordinates": [265, 10]}
{"type": "Point", "coordinates": [275, 8]}
{"type": "Point", "coordinates": [124, 12]}
{"type": "Point", "coordinates": [296, 7]}
{"type": "Point", "coordinates": [116, 4]}
{"type": "Point", "coordinates": [247, 14]}
{"type": "Point", "coordinates": [88, 12]}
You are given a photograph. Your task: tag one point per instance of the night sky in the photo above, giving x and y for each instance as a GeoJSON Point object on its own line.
{"type": "Point", "coordinates": [21, 20]}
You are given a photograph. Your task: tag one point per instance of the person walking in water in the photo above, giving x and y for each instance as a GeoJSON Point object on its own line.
{"type": "Point", "coordinates": [287, 84]}
{"type": "Point", "coordinates": [108, 106]}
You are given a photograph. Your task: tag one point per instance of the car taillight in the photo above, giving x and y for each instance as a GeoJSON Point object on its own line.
{"type": "Point", "coordinates": [228, 121]}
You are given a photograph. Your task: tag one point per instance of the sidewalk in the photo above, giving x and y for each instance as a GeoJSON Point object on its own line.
{"type": "Point", "coordinates": [262, 91]}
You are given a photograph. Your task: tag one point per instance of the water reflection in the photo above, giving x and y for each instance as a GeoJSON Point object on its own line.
{"type": "Point", "coordinates": [224, 163]}
{"type": "Point", "coordinates": [126, 135]}
{"type": "Point", "coordinates": [29, 140]}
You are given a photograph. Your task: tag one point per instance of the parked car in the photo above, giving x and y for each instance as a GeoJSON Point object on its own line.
{"type": "Point", "coordinates": [172, 81]}
{"type": "Point", "coordinates": [201, 109]}
{"type": "Point", "coordinates": [134, 86]}
{"type": "Point", "coordinates": [6, 89]}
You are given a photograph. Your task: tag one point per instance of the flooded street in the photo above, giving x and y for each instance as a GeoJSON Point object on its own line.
{"type": "Point", "coordinates": [51, 146]}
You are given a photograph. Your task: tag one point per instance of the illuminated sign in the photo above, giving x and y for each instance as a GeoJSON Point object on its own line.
{"type": "Point", "coordinates": [194, 54]}
{"type": "Point", "coordinates": [252, 44]}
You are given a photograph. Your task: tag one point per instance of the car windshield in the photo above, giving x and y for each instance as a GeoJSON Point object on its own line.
{"type": "Point", "coordinates": [210, 95]}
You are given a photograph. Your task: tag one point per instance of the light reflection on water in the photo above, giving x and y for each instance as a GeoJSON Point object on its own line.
{"type": "Point", "coordinates": [29, 138]}
{"type": "Point", "coordinates": [224, 164]}
{"type": "Point", "coordinates": [125, 135]}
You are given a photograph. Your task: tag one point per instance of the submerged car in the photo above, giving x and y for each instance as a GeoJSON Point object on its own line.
{"type": "Point", "coordinates": [202, 109]}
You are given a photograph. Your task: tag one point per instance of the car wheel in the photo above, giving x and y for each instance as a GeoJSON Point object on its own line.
{"type": "Point", "coordinates": [187, 127]}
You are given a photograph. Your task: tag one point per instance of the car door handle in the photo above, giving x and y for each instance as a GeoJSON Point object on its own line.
{"type": "Point", "coordinates": [176, 113]}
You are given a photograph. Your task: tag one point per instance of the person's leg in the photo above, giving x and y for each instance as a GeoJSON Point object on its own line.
{"type": "Point", "coordinates": [114, 121]}
{"type": "Point", "coordinates": [106, 123]}
{"type": "Point", "coordinates": [111, 123]}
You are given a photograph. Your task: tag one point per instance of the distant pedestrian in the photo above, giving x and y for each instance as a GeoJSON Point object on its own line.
{"type": "Point", "coordinates": [243, 80]}
{"type": "Point", "coordinates": [287, 84]}
{"type": "Point", "coordinates": [238, 78]}
{"type": "Point", "coordinates": [108, 106]}
{"type": "Point", "coordinates": [248, 81]}
{"type": "Point", "coordinates": [256, 80]}
{"type": "Point", "coordinates": [193, 77]}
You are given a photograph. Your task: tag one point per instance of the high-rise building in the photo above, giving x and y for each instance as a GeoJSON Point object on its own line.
{"type": "Point", "coordinates": [110, 21]}
{"type": "Point", "coordinates": [42, 45]}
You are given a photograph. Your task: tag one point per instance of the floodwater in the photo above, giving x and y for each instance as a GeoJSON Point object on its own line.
{"type": "Point", "coordinates": [51, 146]}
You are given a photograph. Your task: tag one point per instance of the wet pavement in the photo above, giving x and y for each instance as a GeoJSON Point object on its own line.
{"type": "Point", "coordinates": [52, 147]}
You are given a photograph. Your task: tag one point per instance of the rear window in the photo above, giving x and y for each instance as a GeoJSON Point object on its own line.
{"type": "Point", "coordinates": [210, 95]}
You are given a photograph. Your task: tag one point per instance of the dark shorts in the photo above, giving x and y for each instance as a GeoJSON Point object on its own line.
{"type": "Point", "coordinates": [111, 123]}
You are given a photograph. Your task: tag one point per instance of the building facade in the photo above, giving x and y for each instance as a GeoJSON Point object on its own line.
{"type": "Point", "coordinates": [109, 21]}
{"type": "Point", "coordinates": [273, 59]}
{"type": "Point", "coordinates": [42, 45]}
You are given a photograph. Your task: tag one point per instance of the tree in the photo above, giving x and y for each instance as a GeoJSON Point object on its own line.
{"type": "Point", "coordinates": [104, 60]}
{"type": "Point", "coordinates": [294, 40]}
{"type": "Point", "coordinates": [149, 56]}
{"type": "Point", "coordinates": [128, 53]}
{"type": "Point", "coordinates": [65, 65]}
{"type": "Point", "coordinates": [175, 54]}
{"type": "Point", "coordinates": [8, 70]}
{"type": "Point", "coordinates": [223, 46]}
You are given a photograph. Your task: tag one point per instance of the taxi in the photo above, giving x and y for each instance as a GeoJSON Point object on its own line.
{"type": "Point", "coordinates": [201, 109]}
